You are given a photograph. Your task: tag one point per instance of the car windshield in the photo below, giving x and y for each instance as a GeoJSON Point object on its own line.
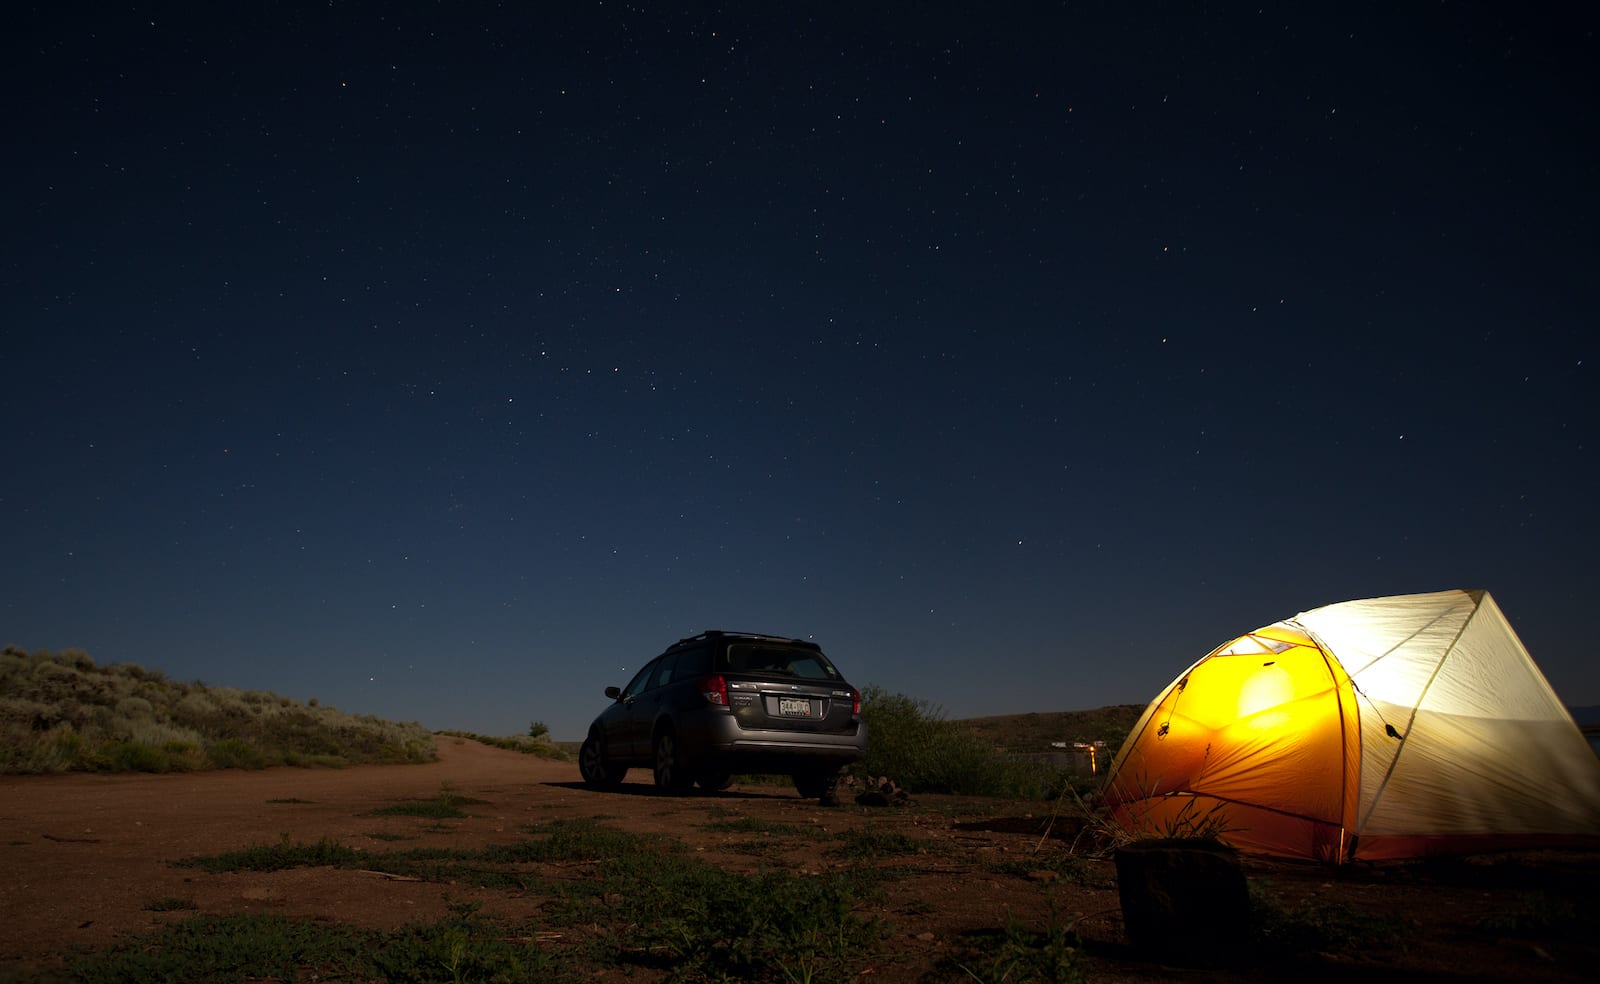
{"type": "Point", "coordinates": [779, 661]}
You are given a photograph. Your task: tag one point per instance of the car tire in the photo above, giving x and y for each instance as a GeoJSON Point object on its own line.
{"type": "Point", "coordinates": [816, 783]}
{"type": "Point", "coordinates": [714, 780]}
{"type": "Point", "coordinates": [670, 773]}
{"type": "Point", "coordinates": [596, 770]}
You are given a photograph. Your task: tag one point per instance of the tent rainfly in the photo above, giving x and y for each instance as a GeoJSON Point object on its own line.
{"type": "Point", "coordinates": [1384, 728]}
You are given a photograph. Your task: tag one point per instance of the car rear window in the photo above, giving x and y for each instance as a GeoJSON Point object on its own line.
{"type": "Point", "coordinates": [743, 657]}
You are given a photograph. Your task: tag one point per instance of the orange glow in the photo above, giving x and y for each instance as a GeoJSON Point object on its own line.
{"type": "Point", "coordinates": [1264, 689]}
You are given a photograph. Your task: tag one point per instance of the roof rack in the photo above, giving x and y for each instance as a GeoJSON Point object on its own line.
{"type": "Point", "coordinates": [710, 634]}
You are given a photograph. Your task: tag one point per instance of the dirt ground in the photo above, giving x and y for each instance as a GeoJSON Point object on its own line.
{"type": "Point", "coordinates": [83, 856]}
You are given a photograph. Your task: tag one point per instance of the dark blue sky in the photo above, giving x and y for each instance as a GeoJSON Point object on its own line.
{"type": "Point", "coordinates": [445, 362]}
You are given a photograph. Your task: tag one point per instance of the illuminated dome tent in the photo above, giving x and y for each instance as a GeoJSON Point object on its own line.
{"type": "Point", "coordinates": [1384, 728]}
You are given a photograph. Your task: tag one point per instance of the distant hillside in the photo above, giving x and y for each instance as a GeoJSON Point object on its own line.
{"type": "Point", "coordinates": [1033, 732]}
{"type": "Point", "coordinates": [59, 712]}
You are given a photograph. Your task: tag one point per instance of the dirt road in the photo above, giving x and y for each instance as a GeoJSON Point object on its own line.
{"type": "Point", "coordinates": [85, 861]}
{"type": "Point", "coordinates": [85, 854]}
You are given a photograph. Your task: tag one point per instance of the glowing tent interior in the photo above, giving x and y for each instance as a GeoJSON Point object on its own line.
{"type": "Point", "coordinates": [1382, 728]}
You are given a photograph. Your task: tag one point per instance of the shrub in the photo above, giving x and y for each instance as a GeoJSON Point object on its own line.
{"type": "Point", "coordinates": [184, 756]}
{"type": "Point", "coordinates": [194, 706]}
{"type": "Point", "coordinates": [54, 681]}
{"type": "Point", "coordinates": [63, 713]}
{"type": "Point", "coordinates": [910, 741]}
{"type": "Point", "coordinates": [162, 734]}
{"type": "Point", "coordinates": [134, 756]}
{"type": "Point", "coordinates": [235, 753]}
{"type": "Point", "coordinates": [63, 750]}
{"type": "Point", "coordinates": [28, 714]}
{"type": "Point", "coordinates": [135, 708]}
{"type": "Point", "coordinates": [137, 672]}
{"type": "Point", "coordinates": [75, 658]}
{"type": "Point", "coordinates": [13, 666]}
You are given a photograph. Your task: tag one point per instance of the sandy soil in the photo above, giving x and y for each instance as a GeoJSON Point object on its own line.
{"type": "Point", "coordinates": [82, 856]}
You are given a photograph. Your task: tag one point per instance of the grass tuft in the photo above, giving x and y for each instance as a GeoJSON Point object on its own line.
{"type": "Point", "coordinates": [463, 946]}
{"type": "Point", "coordinates": [1317, 926]}
{"type": "Point", "coordinates": [446, 806]}
{"type": "Point", "coordinates": [686, 915]}
{"type": "Point", "coordinates": [867, 844]}
{"type": "Point", "coordinates": [279, 857]}
{"type": "Point", "coordinates": [170, 903]}
{"type": "Point", "coordinates": [754, 825]}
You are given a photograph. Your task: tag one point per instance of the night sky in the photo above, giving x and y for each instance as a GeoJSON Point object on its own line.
{"type": "Point", "coordinates": [446, 361]}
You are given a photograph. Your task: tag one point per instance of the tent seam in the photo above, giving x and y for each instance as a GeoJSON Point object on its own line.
{"type": "Point", "coordinates": [1411, 719]}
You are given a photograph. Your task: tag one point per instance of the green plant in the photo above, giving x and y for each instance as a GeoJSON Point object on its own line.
{"type": "Point", "coordinates": [867, 843]}
{"type": "Point", "coordinates": [464, 946]}
{"type": "Point", "coordinates": [1535, 914]}
{"type": "Point", "coordinates": [1018, 956]}
{"type": "Point", "coordinates": [1190, 822]}
{"type": "Point", "coordinates": [133, 756]}
{"type": "Point", "coordinates": [1151, 815]}
{"type": "Point", "coordinates": [456, 939]}
{"type": "Point", "coordinates": [446, 806]}
{"type": "Point", "coordinates": [70, 750]}
{"type": "Point", "coordinates": [754, 825]}
{"type": "Point", "coordinates": [170, 903]}
{"type": "Point", "coordinates": [642, 902]}
{"type": "Point", "coordinates": [538, 729]}
{"type": "Point", "coordinates": [914, 744]}
{"type": "Point", "coordinates": [1063, 865]}
{"type": "Point", "coordinates": [217, 948]}
{"type": "Point", "coordinates": [236, 753]}
{"type": "Point", "coordinates": [64, 713]}
{"type": "Point", "coordinates": [706, 921]}
{"type": "Point", "coordinates": [719, 925]}
{"type": "Point", "coordinates": [278, 857]}
{"type": "Point", "coordinates": [1316, 926]}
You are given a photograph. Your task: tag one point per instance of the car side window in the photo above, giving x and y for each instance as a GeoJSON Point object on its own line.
{"type": "Point", "coordinates": [640, 680]}
{"type": "Point", "coordinates": [664, 671]}
{"type": "Point", "coordinates": [693, 662]}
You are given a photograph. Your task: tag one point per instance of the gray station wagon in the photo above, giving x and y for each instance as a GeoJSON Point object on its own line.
{"type": "Point", "coordinates": [722, 703]}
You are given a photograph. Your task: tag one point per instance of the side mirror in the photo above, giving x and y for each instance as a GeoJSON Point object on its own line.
{"type": "Point", "coordinates": [615, 693]}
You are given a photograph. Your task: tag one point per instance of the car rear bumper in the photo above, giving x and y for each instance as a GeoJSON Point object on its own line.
{"type": "Point", "coordinates": [773, 750]}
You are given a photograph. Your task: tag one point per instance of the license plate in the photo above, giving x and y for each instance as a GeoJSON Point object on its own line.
{"type": "Point", "coordinates": [794, 707]}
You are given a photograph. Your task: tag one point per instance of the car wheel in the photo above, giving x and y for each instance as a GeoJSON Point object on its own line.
{"type": "Point", "coordinates": [671, 776]}
{"type": "Point", "coordinates": [592, 764]}
{"type": "Point", "coordinates": [816, 783]}
{"type": "Point", "coordinates": [715, 780]}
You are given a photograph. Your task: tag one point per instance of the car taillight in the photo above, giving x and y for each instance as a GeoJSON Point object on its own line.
{"type": "Point", "coordinates": [714, 689]}
{"type": "Point", "coordinates": [855, 702]}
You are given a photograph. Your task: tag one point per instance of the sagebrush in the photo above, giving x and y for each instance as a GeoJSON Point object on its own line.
{"type": "Point", "coordinates": [60, 712]}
